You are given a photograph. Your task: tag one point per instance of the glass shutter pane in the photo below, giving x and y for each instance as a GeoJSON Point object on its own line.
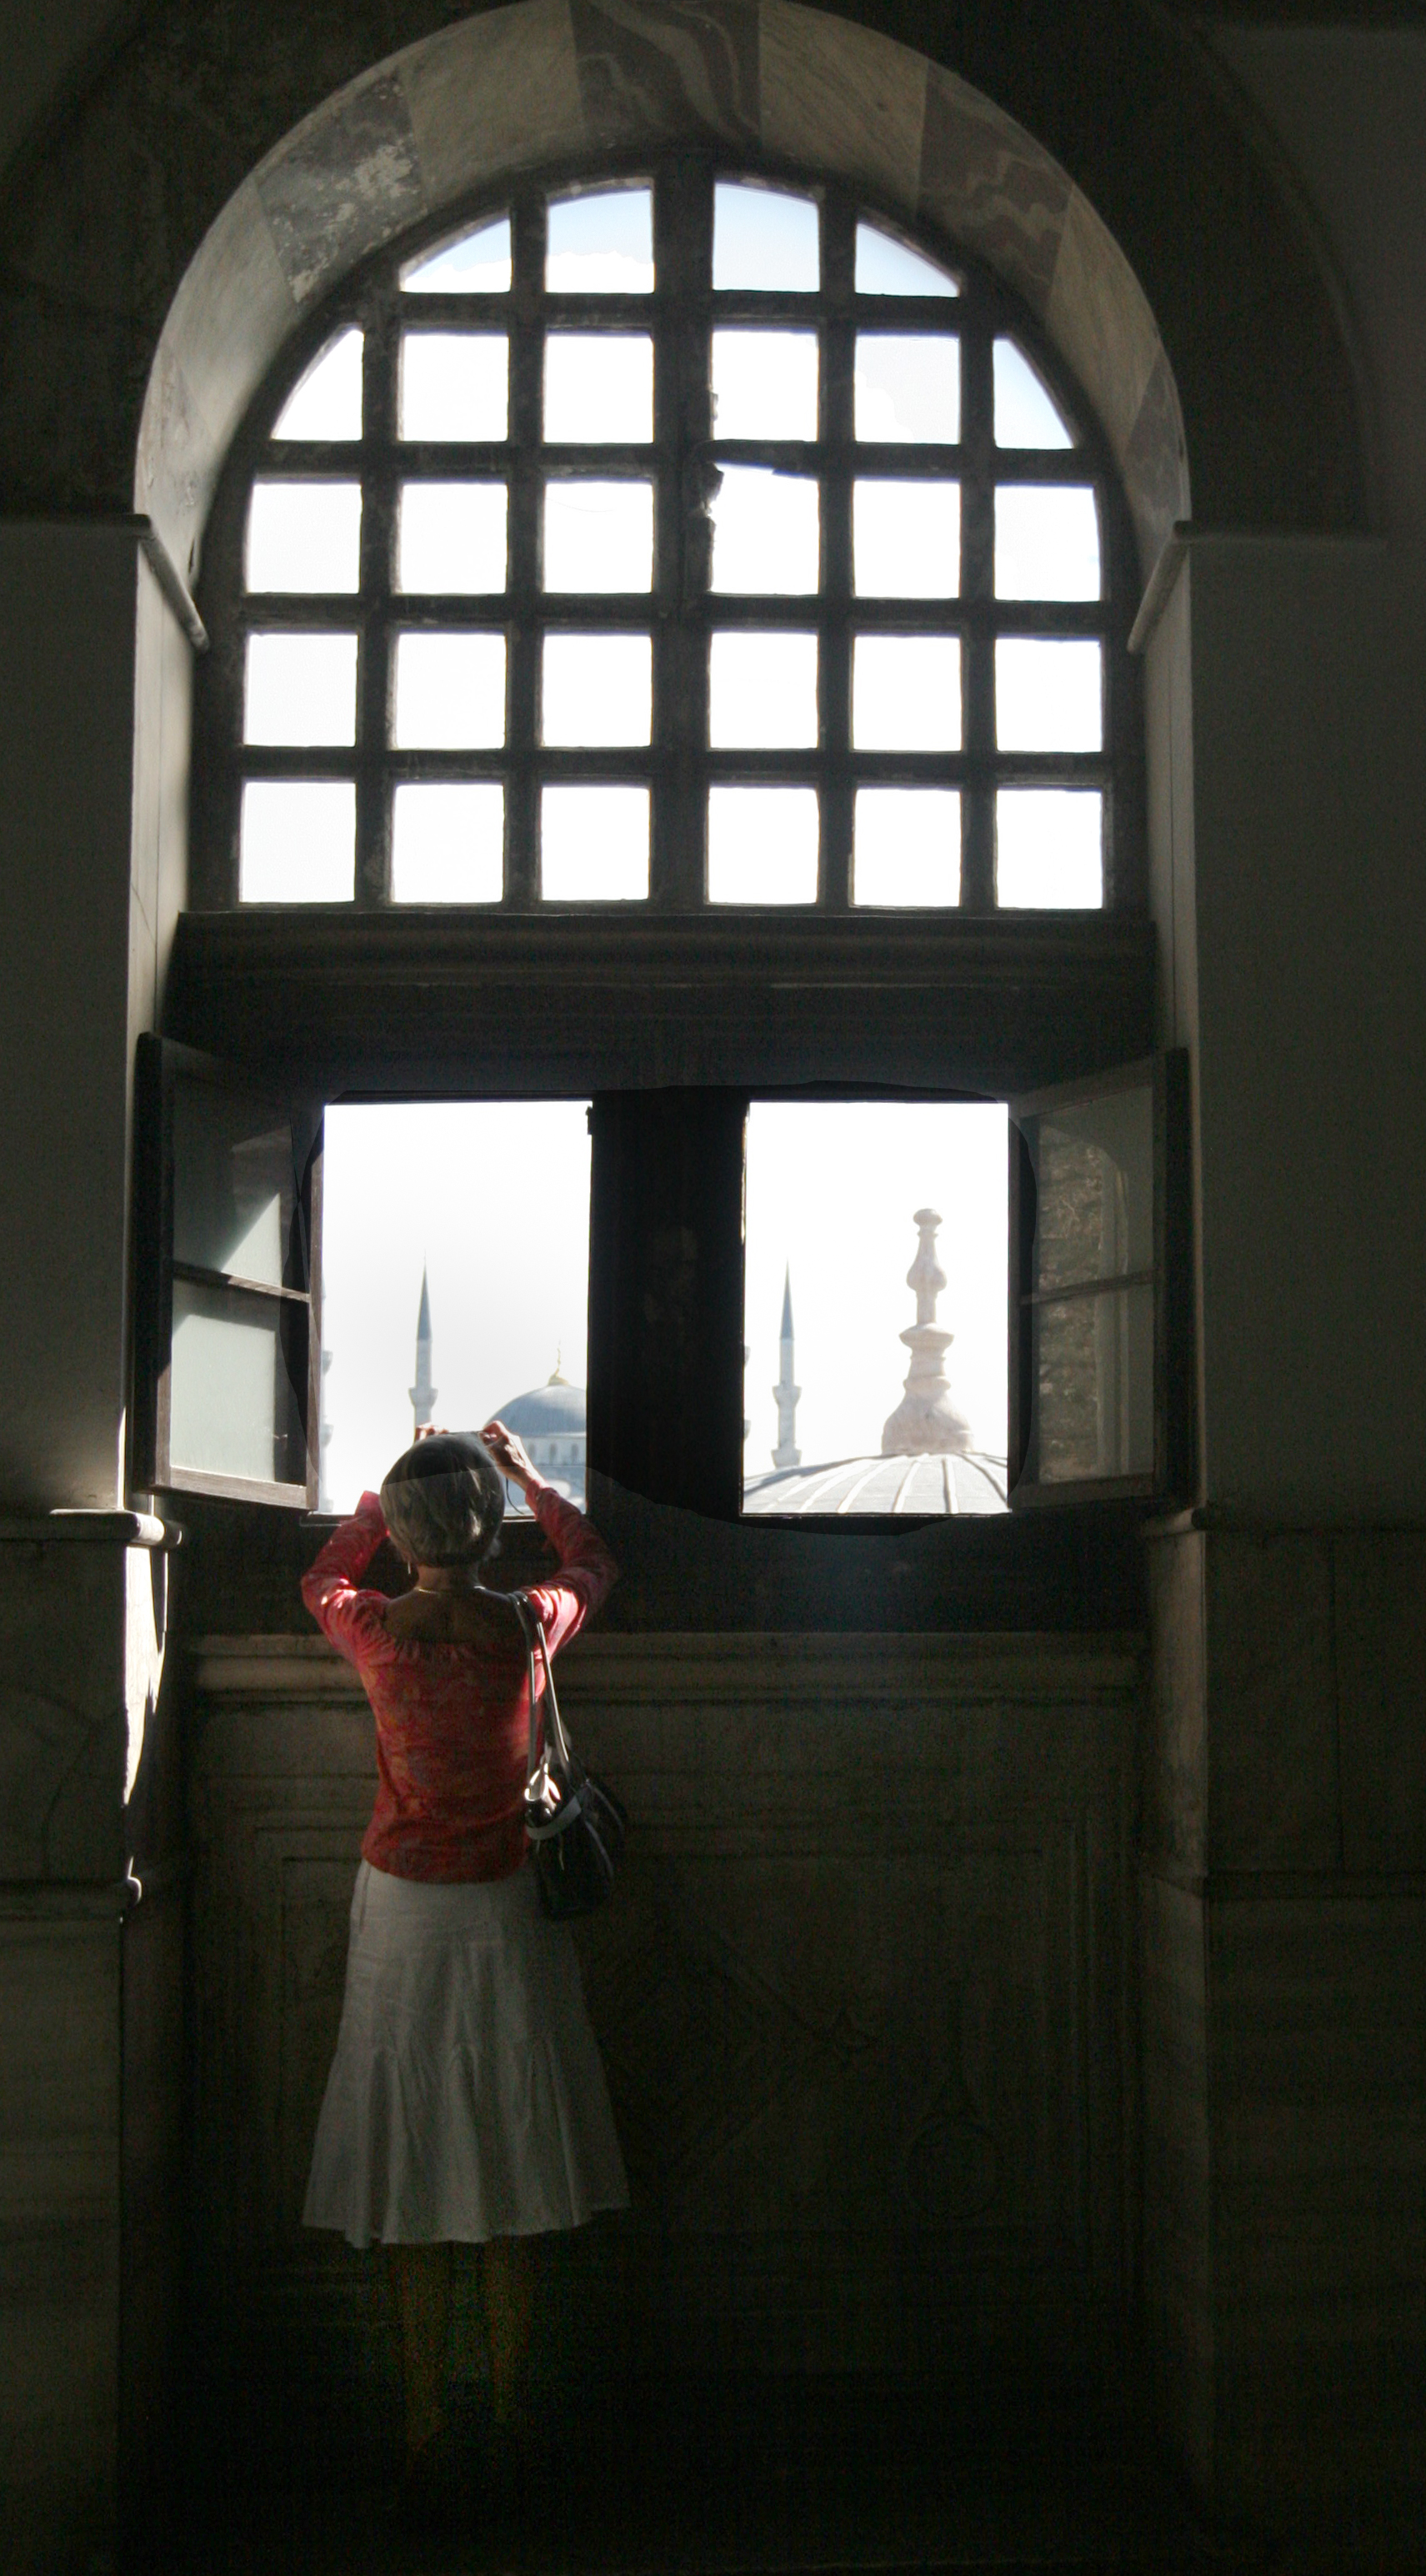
{"type": "Point", "coordinates": [233, 1183]}
{"type": "Point", "coordinates": [1093, 1379]}
{"type": "Point", "coordinates": [1094, 1178]}
{"type": "Point", "coordinates": [227, 1386]}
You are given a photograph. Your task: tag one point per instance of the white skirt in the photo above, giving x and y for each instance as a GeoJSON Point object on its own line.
{"type": "Point", "coordinates": [466, 2098]}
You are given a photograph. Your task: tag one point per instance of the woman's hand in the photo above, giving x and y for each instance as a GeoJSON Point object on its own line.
{"type": "Point", "coordinates": [510, 1456]}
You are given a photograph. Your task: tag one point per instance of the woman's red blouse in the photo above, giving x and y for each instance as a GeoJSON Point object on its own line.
{"type": "Point", "coordinates": [452, 1720]}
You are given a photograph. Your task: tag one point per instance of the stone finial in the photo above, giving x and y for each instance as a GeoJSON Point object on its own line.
{"type": "Point", "coordinates": [785, 1394]}
{"type": "Point", "coordinates": [926, 1422]}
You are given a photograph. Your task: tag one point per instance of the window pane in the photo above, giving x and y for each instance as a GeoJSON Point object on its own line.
{"type": "Point", "coordinates": [454, 384]}
{"type": "Point", "coordinates": [594, 844]}
{"type": "Point", "coordinates": [448, 843]}
{"type": "Point", "coordinates": [886, 267]}
{"type": "Point", "coordinates": [507, 1336]}
{"type": "Point", "coordinates": [599, 385]}
{"type": "Point", "coordinates": [304, 536]}
{"type": "Point", "coordinates": [599, 536]}
{"type": "Point", "coordinates": [223, 1386]}
{"type": "Point", "coordinates": [301, 689]}
{"type": "Point", "coordinates": [762, 844]}
{"type": "Point", "coordinates": [233, 1183]}
{"type": "Point", "coordinates": [298, 841]}
{"type": "Point", "coordinates": [834, 1193]}
{"type": "Point", "coordinates": [1025, 416]}
{"type": "Point", "coordinates": [906, 693]}
{"type": "Point", "coordinates": [597, 688]}
{"type": "Point", "coordinates": [1093, 1374]}
{"type": "Point", "coordinates": [1094, 1180]}
{"type": "Point", "coordinates": [762, 691]}
{"type": "Point", "coordinates": [1046, 542]}
{"type": "Point", "coordinates": [766, 533]}
{"type": "Point", "coordinates": [451, 537]}
{"type": "Point", "coordinates": [450, 692]}
{"type": "Point", "coordinates": [602, 244]}
{"type": "Point", "coordinates": [906, 540]}
{"type": "Point", "coordinates": [1049, 845]}
{"type": "Point", "coordinates": [906, 846]}
{"type": "Point", "coordinates": [1047, 695]}
{"type": "Point", "coordinates": [764, 239]}
{"type": "Point", "coordinates": [908, 387]}
{"type": "Point", "coordinates": [477, 264]}
{"type": "Point", "coordinates": [326, 402]}
{"type": "Point", "coordinates": [764, 384]}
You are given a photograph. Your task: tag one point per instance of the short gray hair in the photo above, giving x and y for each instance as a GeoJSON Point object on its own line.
{"type": "Point", "coordinates": [444, 1500]}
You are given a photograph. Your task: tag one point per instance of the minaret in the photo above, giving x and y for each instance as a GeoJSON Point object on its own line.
{"type": "Point", "coordinates": [785, 1394]}
{"type": "Point", "coordinates": [925, 1421]}
{"type": "Point", "coordinates": [423, 1394]}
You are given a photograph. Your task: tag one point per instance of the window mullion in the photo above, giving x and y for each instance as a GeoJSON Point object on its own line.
{"type": "Point", "coordinates": [835, 657]}
{"type": "Point", "coordinates": [977, 585]}
{"type": "Point", "coordinates": [380, 361]}
{"type": "Point", "coordinates": [683, 249]}
{"type": "Point", "coordinates": [527, 348]}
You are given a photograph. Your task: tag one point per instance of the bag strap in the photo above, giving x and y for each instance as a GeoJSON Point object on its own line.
{"type": "Point", "coordinates": [530, 1621]}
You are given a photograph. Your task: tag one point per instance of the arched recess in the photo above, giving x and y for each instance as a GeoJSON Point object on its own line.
{"type": "Point", "coordinates": [543, 82]}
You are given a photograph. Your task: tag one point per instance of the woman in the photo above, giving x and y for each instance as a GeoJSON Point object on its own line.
{"type": "Point", "coordinates": [466, 2102]}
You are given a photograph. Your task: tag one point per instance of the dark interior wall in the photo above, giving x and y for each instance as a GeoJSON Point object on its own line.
{"type": "Point", "coordinates": [106, 206]}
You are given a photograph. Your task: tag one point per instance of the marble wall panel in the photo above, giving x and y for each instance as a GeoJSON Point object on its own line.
{"type": "Point", "coordinates": [650, 68]}
{"type": "Point", "coordinates": [342, 184]}
{"type": "Point", "coordinates": [1177, 2242]}
{"type": "Point", "coordinates": [1173, 1816]}
{"type": "Point", "coordinates": [838, 97]}
{"type": "Point", "coordinates": [1380, 1585]}
{"type": "Point", "coordinates": [991, 186]}
{"type": "Point", "coordinates": [59, 2235]}
{"type": "Point", "coordinates": [494, 93]}
{"type": "Point", "coordinates": [1319, 2094]}
{"type": "Point", "coordinates": [63, 1718]}
{"type": "Point", "coordinates": [1272, 1712]}
{"type": "Point", "coordinates": [861, 1991]}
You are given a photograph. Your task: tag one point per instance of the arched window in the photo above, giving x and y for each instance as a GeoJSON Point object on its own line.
{"type": "Point", "coordinates": [687, 540]}
{"type": "Point", "coordinates": [670, 638]}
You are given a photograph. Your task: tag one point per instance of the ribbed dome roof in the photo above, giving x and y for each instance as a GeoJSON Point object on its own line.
{"type": "Point", "coordinates": [557, 1408]}
{"type": "Point", "coordinates": [949, 1481]}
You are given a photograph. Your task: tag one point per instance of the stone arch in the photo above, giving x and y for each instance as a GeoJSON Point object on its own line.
{"type": "Point", "coordinates": [142, 266]}
{"type": "Point", "coordinates": [538, 83]}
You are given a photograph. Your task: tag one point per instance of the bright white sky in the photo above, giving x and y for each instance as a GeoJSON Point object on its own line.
{"type": "Point", "coordinates": [494, 1198]}
{"type": "Point", "coordinates": [831, 1190]}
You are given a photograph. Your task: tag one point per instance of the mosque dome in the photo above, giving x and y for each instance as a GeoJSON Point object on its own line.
{"type": "Point", "coordinates": [550, 1420]}
{"type": "Point", "coordinates": [553, 1411]}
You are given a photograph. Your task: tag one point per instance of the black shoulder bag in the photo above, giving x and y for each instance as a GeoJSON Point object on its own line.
{"type": "Point", "coordinates": [576, 1826]}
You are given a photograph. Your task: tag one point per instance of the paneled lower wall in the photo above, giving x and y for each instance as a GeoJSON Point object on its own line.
{"type": "Point", "coordinates": [863, 1990]}
{"type": "Point", "coordinates": [1283, 1930]}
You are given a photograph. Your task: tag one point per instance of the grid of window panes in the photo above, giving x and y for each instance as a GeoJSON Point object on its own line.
{"type": "Point", "coordinates": [691, 541]}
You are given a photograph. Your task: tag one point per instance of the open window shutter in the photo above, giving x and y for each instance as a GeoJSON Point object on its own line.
{"type": "Point", "coordinates": [1100, 1288]}
{"type": "Point", "coordinates": [227, 1336]}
